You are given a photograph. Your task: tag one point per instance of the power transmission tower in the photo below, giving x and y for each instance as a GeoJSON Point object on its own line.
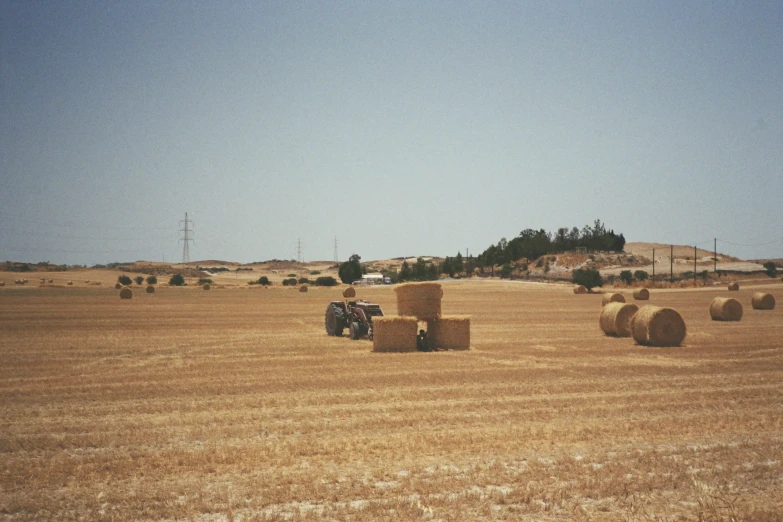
{"type": "Point", "coordinates": [299, 250]}
{"type": "Point", "coordinates": [336, 260]}
{"type": "Point", "coordinates": [186, 239]}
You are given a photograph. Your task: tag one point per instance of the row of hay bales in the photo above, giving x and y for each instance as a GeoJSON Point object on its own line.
{"type": "Point", "coordinates": [127, 293]}
{"type": "Point", "coordinates": [660, 326]}
{"type": "Point", "coordinates": [730, 309]}
{"type": "Point", "coordinates": [649, 325]}
{"type": "Point", "coordinates": [419, 302]}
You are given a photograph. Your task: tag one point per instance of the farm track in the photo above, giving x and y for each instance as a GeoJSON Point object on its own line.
{"type": "Point", "coordinates": [231, 404]}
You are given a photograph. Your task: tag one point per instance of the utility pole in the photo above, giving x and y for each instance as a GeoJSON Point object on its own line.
{"type": "Point", "coordinates": [653, 278]}
{"type": "Point", "coordinates": [186, 239]}
{"type": "Point", "coordinates": [694, 266]}
{"type": "Point", "coordinates": [671, 265]}
{"type": "Point", "coordinates": [715, 255]}
{"type": "Point", "coordinates": [336, 259]}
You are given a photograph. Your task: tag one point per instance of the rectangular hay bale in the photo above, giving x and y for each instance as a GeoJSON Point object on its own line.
{"type": "Point", "coordinates": [420, 300]}
{"type": "Point", "coordinates": [450, 332]}
{"type": "Point", "coordinates": [394, 334]}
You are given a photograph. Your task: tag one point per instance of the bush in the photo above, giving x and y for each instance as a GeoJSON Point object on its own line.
{"type": "Point", "coordinates": [770, 268]}
{"type": "Point", "coordinates": [351, 270]}
{"type": "Point", "coordinates": [326, 281]}
{"type": "Point", "coordinates": [291, 281]}
{"type": "Point", "coordinates": [152, 280]}
{"type": "Point", "coordinates": [505, 271]}
{"type": "Point", "coordinates": [304, 281]}
{"type": "Point", "coordinates": [139, 279]}
{"type": "Point", "coordinates": [124, 280]}
{"type": "Point", "coordinates": [315, 272]}
{"type": "Point", "coordinates": [264, 281]}
{"type": "Point", "coordinates": [587, 277]}
{"type": "Point", "coordinates": [641, 275]}
{"type": "Point", "coordinates": [626, 277]}
{"type": "Point", "coordinates": [291, 275]}
{"type": "Point", "coordinates": [177, 280]}
{"type": "Point", "coordinates": [204, 281]}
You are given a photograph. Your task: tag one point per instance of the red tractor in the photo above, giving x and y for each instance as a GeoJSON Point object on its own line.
{"type": "Point", "coordinates": [354, 315]}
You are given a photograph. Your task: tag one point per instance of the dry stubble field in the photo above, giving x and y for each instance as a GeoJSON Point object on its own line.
{"type": "Point", "coordinates": [235, 405]}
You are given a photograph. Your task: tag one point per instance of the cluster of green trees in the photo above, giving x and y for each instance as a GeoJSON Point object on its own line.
{"type": "Point", "coordinates": [127, 281]}
{"type": "Point", "coordinates": [532, 244]}
{"type": "Point", "coordinates": [639, 275]}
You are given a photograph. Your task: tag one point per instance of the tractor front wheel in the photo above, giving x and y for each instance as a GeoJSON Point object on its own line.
{"type": "Point", "coordinates": [355, 330]}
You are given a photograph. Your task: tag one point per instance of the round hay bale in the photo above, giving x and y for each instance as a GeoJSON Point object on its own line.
{"type": "Point", "coordinates": [762, 301]}
{"type": "Point", "coordinates": [450, 332]}
{"type": "Point", "coordinates": [612, 298]}
{"type": "Point", "coordinates": [641, 294]}
{"type": "Point", "coordinates": [420, 300]}
{"type": "Point", "coordinates": [394, 334]}
{"type": "Point", "coordinates": [126, 293]}
{"type": "Point", "coordinates": [657, 326]}
{"type": "Point", "coordinates": [206, 286]}
{"type": "Point", "coordinates": [303, 288]}
{"type": "Point", "coordinates": [117, 286]}
{"type": "Point", "coordinates": [150, 289]}
{"type": "Point", "coordinates": [725, 309]}
{"type": "Point", "coordinates": [349, 292]}
{"type": "Point", "coordinates": [733, 287]}
{"type": "Point", "coordinates": [2, 283]}
{"type": "Point", "coordinates": [616, 318]}
{"type": "Point", "coordinates": [579, 289]}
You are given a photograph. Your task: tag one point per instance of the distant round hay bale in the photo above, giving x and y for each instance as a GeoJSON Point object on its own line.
{"type": "Point", "coordinates": [2, 283]}
{"type": "Point", "coordinates": [616, 318]}
{"type": "Point", "coordinates": [657, 326]}
{"type": "Point", "coordinates": [150, 289]}
{"type": "Point", "coordinates": [734, 287]}
{"type": "Point", "coordinates": [612, 298]}
{"type": "Point", "coordinates": [762, 301]}
{"type": "Point", "coordinates": [70, 283]}
{"type": "Point", "coordinates": [420, 300]}
{"type": "Point", "coordinates": [349, 292]}
{"type": "Point", "coordinates": [725, 309]}
{"type": "Point", "coordinates": [303, 288]}
{"type": "Point", "coordinates": [117, 286]}
{"type": "Point", "coordinates": [126, 293]}
{"type": "Point", "coordinates": [394, 334]}
{"type": "Point", "coordinates": [450, 332]}
{"type": "Point", "coordinates": [51, 281]}
{"type": "Point", "coordinates": [641, 294]}
{"type": "Point", "coordinates": [206, 286]}
{"type": "Point", "coordinates": [579, 289]}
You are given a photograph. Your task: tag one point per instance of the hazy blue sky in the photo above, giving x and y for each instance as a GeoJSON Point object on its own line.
{"type": "Point", "coordinates": [401, 128]}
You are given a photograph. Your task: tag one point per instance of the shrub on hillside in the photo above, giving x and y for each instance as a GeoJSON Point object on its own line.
{"type": "Point", "coordinates": [124, 280]}
{"type": "Point", "coordinates": [204, 281]}
{"type": "Point", "coordinates": [770, 268]}
{"type": "Point", "coordinates": [626, 277]}
{"type": "Point", "coordinates": [177, 280]}
{"type": "Point", "coordinates": [152, 280]}
{"type": "Point", "coordinates": [587, 277]}
{"type": "Point", "coordinates": [291, 281]}
{"type": "Point", "coordinates": [139, 279]}
{"type": "Point", "coordinates": [326, 281]}
{"type": "Point", "coordinates": [641, 275]}
{"type": "Point", "coordinates": [264, 281]}
{"type": "Point", "coordinates": [304, 281]}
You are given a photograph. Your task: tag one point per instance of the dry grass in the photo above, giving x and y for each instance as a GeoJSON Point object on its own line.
{"type": "Point", "coordinates": [235, 405]}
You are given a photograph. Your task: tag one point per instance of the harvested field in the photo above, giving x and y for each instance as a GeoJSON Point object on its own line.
{"type": "Point", "coordinates": [236, 405]}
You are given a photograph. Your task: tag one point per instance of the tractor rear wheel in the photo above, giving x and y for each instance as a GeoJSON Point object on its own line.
{"type": "Point", "coordinates": [334, 320]}
{"type": "Point", "coordinates": [355, 330]}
